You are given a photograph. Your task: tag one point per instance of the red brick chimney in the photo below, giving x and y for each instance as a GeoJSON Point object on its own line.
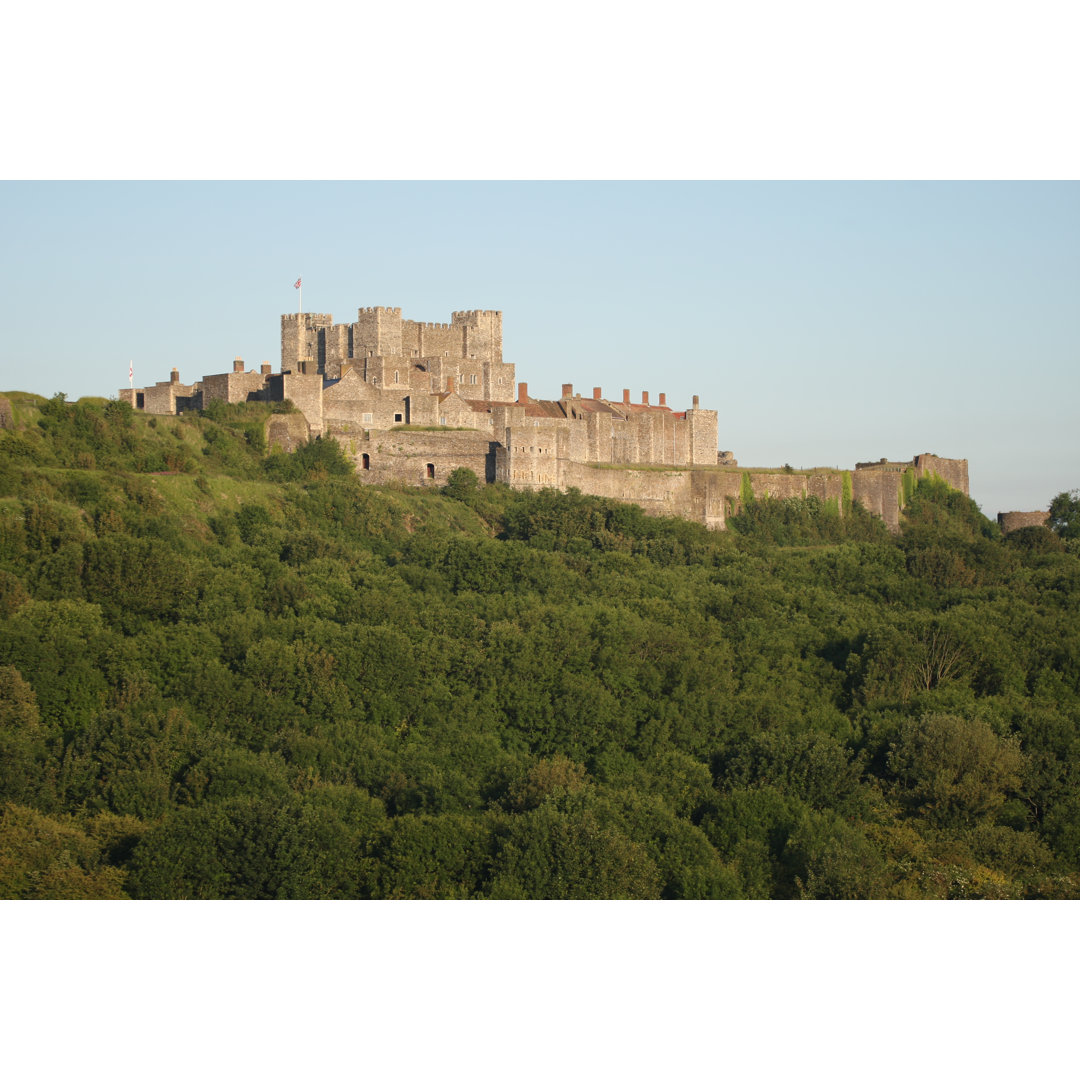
{"type": "Point", "coordinates": [449, 384]}
{"type": "Point", "coordinates": [626, 397]}
{"type": "Point", "coordinates": [567, 389]}
{"type": "Point", "coordinates": [663, 399]}
{"type": "Point", "coordinates": [174, 375]}
{"type": "Point", "coordinates": [238, 366]}
{"type": "Point", "coordinates": [596, 393]}
{"type": "Point", "coordinates": [265, 369]}
{"type": "Point", "coordinates": [644, 397]}
{"type": "Point", "coordinates": [523, 392]}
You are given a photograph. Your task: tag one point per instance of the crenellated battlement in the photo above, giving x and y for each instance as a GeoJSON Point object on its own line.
{"type": "Point", "coordinates": [445, 391]}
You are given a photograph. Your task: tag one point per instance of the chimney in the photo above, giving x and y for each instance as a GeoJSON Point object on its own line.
{"type": "Point", "coordinates": [265, 369]}
{"type": "Point", "coordinates": [626, 397]}
{"type": "Point", "coordinates": [567, 389]}
{"type": "Point", "coordinates": [663, 399]}
{"type": "Point", "coordinates": [238, 366]}
{"type": "Point", "coordinates": [523, 392]}
{"type": "Point", "coordinates": [644, 397]}
{"type": "Point", "coordinates": [596, 393]}
{"type": "Point", "coordinates": [696, 401]}
{"type": "Point", "coordinates": [174, 375]}
{"type": "Point", "coordinates": [449, 384]}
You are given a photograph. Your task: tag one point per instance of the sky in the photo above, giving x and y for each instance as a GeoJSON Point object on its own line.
{"type": "Point", "coordinates": [594, 171]}
{"type": "Point", "coordinates": [827, 322]}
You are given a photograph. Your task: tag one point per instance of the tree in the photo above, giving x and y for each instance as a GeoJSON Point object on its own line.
{"type": "Point", "coordinates": [462, 484]}
{"type": "Point", "coordinates": [1065, 514]}
{"type": "Point", "coordinates": [953, 770]}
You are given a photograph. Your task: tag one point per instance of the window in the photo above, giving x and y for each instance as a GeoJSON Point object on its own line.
{"type": "Point", "coordinates": [442, 420]}
{"type": "Point", "coordinates": [365, 461]}
{"type": "Point", "coordinates": [472, 379]}
{"type": "Point", "coordinates": [430, 471]}
{"type": "Point", "coordinates": [395, 376]}
{"type": "Point", "coordinates": [367, 418]}
{"type": "Point", "coordinates": [397, 418]}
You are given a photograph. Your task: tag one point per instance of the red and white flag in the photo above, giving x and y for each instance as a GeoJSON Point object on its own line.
{"type": "Point", "coordinates": [131, 370]}
{"type": "Point", "coordinates": [297, 285]}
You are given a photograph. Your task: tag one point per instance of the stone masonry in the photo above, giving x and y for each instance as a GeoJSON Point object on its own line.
{"type": "Point", "coordinates": [1012, 520]}
{"type": "Point", "coordinates": [410, 402]}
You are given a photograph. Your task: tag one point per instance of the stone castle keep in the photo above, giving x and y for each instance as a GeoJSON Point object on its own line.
{"type": "Point", "coordinates": [410, 402]}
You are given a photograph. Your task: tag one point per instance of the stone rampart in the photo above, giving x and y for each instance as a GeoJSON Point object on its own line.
{"type": "Point", "coordinates": [954, 471]}
{"type": "Point", "coordinates": [287, 431]}
{"type": "Point", "coordinates": [417, 458]}
{"type": "Point", "coordinates": [1012, 520]}
{"type": "Point", "coordinates": [232, 387]}
{"type": "Point", "coordinates": [376, 383]}
{"type": "Point", "coordinates": [878, 491]}
{"type": "Point", "coordinates": [704, 494]}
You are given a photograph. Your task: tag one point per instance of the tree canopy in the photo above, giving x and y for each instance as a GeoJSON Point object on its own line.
{"type": "Point", "coordinates": [229, 672]}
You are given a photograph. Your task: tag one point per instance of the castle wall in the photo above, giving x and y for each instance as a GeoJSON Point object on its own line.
{"type": "Point", "coordinates": [706, 495]}
{"type": "Point", "coordinates": [530, 458]}
{"type": "Point", "coordinates": [417, 458]}
{"type": "Point", "coordinates": [287, 431]}
{"type": "Point", "coordinates": [878, 490]}
{"type": "Point", "coordinates": [497, 379]}
{"type": "Point", "coordinates": [232, 387]}
{"type": "Point", "coordinates": [655, 491]}
{"type": "Point", "coordinates": [386, 373]}
{"type": "Point", "coordinates": [1012, 520]}
{"type": "Point", "coordinates": [598, 437]}
{"type": "Point", "coordinates": [304, 391]}
{"type": "Point", "coordinates": [781, 485]}
{"type": "Point", "coordinates": [162, 398]}
{"type": "Point", "coordinates": [954, 471]}
{"type": "Point", "coordinates": [363, 404]}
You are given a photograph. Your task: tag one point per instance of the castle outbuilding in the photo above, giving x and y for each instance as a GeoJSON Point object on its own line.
{"type": "Point", "coordinates": [410, 402]}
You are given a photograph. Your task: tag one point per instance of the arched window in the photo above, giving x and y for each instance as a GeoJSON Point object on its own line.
{"type": "Point", "coordinates": [430, 471]}
{"type": "Point", "coordinates": [365, 461]}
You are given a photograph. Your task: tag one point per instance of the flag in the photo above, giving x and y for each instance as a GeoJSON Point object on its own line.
{"type": "Point", "coordinates": [297, 285]}
{"type": "Point", "coordinates": [131, 370]}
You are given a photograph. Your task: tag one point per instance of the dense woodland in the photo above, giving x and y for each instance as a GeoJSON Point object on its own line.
{"type": "Point", "coordinates": [231, 673]}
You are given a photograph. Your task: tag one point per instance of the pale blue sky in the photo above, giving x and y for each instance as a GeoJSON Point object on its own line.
{"type": "Point", "coordinates": [827, 322]}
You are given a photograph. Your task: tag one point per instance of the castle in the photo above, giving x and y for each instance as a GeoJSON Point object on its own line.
{"type": "Point", "coordinates": [411, 401]}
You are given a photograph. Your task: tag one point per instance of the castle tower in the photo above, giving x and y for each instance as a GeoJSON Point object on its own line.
{"type": "Point", "coordinates": [303, 342]}
{"type": "Point", "coordinates": [703, 431]}
{"type": "Point", "coordinates": [376, 332]}
{"type": "Point", "coordinates": [483, 334]}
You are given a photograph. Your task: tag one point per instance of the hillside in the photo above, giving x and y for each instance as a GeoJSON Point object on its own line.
{"type": "Point", "coordinates": [227, 673]}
